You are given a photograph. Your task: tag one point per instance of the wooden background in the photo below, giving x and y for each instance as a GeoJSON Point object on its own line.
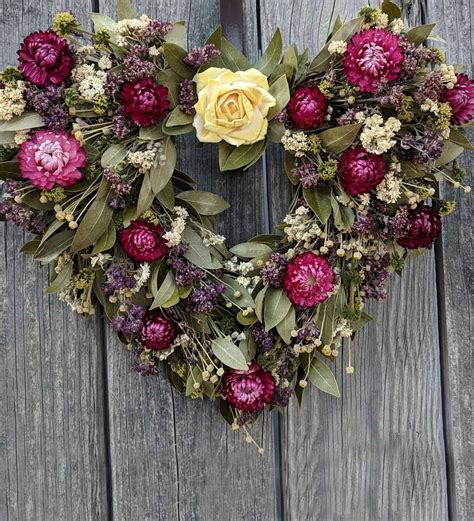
{"type": "Point", "coordinates": [83, 438]}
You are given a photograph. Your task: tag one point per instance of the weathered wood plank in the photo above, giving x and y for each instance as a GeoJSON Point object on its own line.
{"type": "Point", "coordinates": [455, 25]}
{"type": "Point", "coordinates": [377, 452]}
{"type": "Point", "coordinates": [52, 428]}
{"type": "Point", "coordinates": [173, 458]}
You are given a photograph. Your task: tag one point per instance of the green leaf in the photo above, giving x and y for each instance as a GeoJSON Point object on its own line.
{"type": "Point", "coordinates": [344, 33]}
{"type": "Point", "coordinates": [411, 170]}
{"type": "Point", "coordinates": [173, 300]}
{"type": "Point", "coordinates": [61, 280]}
{"type": "Point", "coordinates": [174, 55]}
{"type": "Point", "coordinates": [113, 156]}
{"type": "Point", "coordinates": [290, 165]}
{"type": "Point", "coordinates": [216, 37]}
{"type": "Point", "coordinates": [249, 250]}
{"type": "Point", "coordinates": [178, 35]}
{"type": "Point", "coordinates": [160, 174]}
{"type": "Point", "coordinates": [9, 170]}
{"type": "Point", "coordinates": [178, 118]}
{"type": "Point", "coordinates": [287, 325]}
{"type": "Point", "coordinates": [419, 34]}
{"type": "Point", "coordinates": [125, 11]}
{"type": "Point", "coordinates": [337, 139]}
{"type": "Point", "coordinates": [146, 195]}
{"type": "Point", "coordinates": [165, 291]}
{"type": "Point", "coordinates": [259, 299]}
{"type": "Point", "coordinates": [26, 121]}
{"type": "Point", "coordinates": [319, 200]}
{"type": "Point", "coordinates": [7, 137]}
{"type": "Point", "coordinates": [229, 354]}
{"type": "Point", "coordinates": [450, 152]}
{"type": "Point", "coordinates": [30, 247]}
{"type": "Point", "coordinates": [459, 138]}
{"type": "Point", "coordinates": [54, 246]}
{"type": "Point", "coordinates": [281, 92]}
{"type": "Point", "coordinates": [276, 307]}
{"type": "Point", "coordinates": [360, 322]}
{"type": "Point", "coordinates": [322, 377]}
{"type": "Point", "coordinates": [195, 376]}
{"type": "Point", "coordinates": [102, 21]}
{"type": "Point", "coordinates": [343, 215]}
{"type": "Point", "coordinates": [171, 81]}
{"type": "Point", "coordinates": [205, 203]}
{"type": "Point", "coordinates": [232, 58]}
{"type": "Point", "coordinates": [290, 58]}
{"type": "Point", "coordinates": [270, 58]}
{"type": "Point", "coordinates": [242, 156]}
{"type": "Point", "coordinates": [391, 9]}
{"type": "Point", "coordinates": [107, 240]}
{"type": "Point", "coordinates": [151, 133]}
{"type": "Point", "coordinates": [166, 196]}
{"type": "Point", "coordinates": [94, 223]}
{"type": "Point", "coordinates": [337, 25]}
{"type": "Point", "coordinates": [276, 130]}
{"type": "Point", "coordinates": [197, 253]}
{"type": "Point", "coordinates": [245, 300]}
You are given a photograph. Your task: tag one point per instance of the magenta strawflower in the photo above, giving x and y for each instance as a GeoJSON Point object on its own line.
{"type": "Point", "coordinates": [360, 171]}
{"type": "Point", "coordinates": [143, 241]}
{"type": "Point", "coordinates": [307, 107]}
{"type": "Point", "coordinates": [373, 56]}
{"type": "Point", "coordinates": [461, 100]}
{"type": "Point", "coordinates": [424, 225]}
{"type": "Point", "coordinates": [248, 390]}
{"type": "Point", "coordinates": [45, 59]}
{"type": "Point", "coordinates": [158, 332]}
{"type": "Point", "coordinates": [308, 280]}
{"type": "Point", "coordinates": [51, 159]}
{"type": "Point", "coordinates": [145, 102]}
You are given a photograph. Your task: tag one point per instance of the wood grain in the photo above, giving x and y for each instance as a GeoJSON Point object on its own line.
{"type": "Point", "coordinates": [378, 451]}
{"type": "Point", "coordinates": [173, 458]}
{"type": "Point", "coordinates": [454, 20]}
{"type": "Point", "coordinates": [52, 399]}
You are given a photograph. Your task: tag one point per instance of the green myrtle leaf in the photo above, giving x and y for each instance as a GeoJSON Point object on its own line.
{"type": "Point", "coordinates": [197, 253]}
{"type": "Point", "coordinates": [165, 291]}
{"type": "Point", "coordinates": [61, 280]}
{"type": "Point", "coordinates": [259, 299]}
{"type": "Point", "coordinates": [54, 246]}
{"type": "Point", "coordinates": [459, 138]}
{"type": "Point", "coordinates": [282, 69]}
{"type": "Point", "coordinates": [102, 21]}
{"type": "Point", "coordinates": [319, 200]}
{"type": "Point", "coordinates": [276, 306]}
{"type": "Point", "coordinates": [337, 25]}
{"type": "Point", "coordinates": [7, 137]}
{"type": "Point", "coordinates": [337, 139]}
{"type": "Point", "coordinates": [205, 203]}
{"type": "Point", "coordinates": [290, 58]}
{"type": "Point", "coordinates": [360, 322]}
{"type": "Point", "coordinates": [249, 250]}
{"type": "Point", "coordinates": [195, 376]}
{"type": "Point", "coordinates": [287, 325]}
{"type": "Point", "coordinates": [343, 215]}
{"type": "Point", "coordinates": [178, 118]}
{"type": "Point", "coordinates": [245, 300]}
{"type": "Point", "coordinates": [178, 35]}
{"type": "Point", "coordinates": [171, 81]}
{"type": "Point", "coordinates": [270, 58]}
{"type": "Point", "coordinates": [276, 130]}
{"type": "Point", "coordinates": [450, 152]}
{"type": "Point", "coordinates": [281, 92]}
{"type": "Point", "coordinates": [391, 9]}
{"type": "Point", "coordinates": [166, 196]}
{"type": "Point", "coordinates": [173, 300]}
{"type": "Point", "coordinates": [113, 156]}
{"type": "Point", "coordinates": [160, 174]}
{"type": "Point", "coordinates": [419, 34]}
{"type": "Point", "coordinates": [247, 320]}
{"type": "Point", "coordinates": [290, 165]}
{"type": "Point", "coordinates": [248, 346]}
{"type": "Point", "coordinates": [232, 58]}
{"type": "Point", "coordinates": [174, 55]}
{"type": "Point", "coordinates": [242, 156]}
{"type": "Point", "coordinates": [321, 376]}
{"type": "Point", "coordinates": [411, 170]}
{"type": "Point", "coordinates": [107, 240]}
{"type": "Point", "coordinates": [151, 133]}
{"type": "Point", "coordinates": [229, 354]}
{"type": "Point", "coordinates": [184, 291]}
{"type": "Point", "coordinates": [216, 37]}
{"type": "Point", "coordinates": [26, 121]}
{"type": "Point", "coordinates": [30, 247]}
{"type": "Point", "coordinates": [125, 11]}
{"type": "Point", "coordinates": [9, 170]}
{"type": "Point", "coordinates": [146, 195]}
{"type": "Point", "coordinates": [302, 63]}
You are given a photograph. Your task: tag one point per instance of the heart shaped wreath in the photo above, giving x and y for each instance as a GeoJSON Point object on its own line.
{"type": "Point", "coordinates": [369, 126]}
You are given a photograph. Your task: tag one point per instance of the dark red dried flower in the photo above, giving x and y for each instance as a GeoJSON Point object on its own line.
{"type": "Point", "coordinates": [143, 241]}
{"type": "Point", "coordinates": [158, 332]}
{"type": "Point", "coordinates": [424, 225]}
{"type": "Point", "coordinates": [307, 107]}
{"type": "Point", "coordinates": [360, 171]}
{"type": "Point", "coordinates": [145, 102]}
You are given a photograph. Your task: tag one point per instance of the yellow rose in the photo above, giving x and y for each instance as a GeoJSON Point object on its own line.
{"type": "Point", "coordinates": [232, 106]}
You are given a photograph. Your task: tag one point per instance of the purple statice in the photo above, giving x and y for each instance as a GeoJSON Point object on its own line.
{"type": "Point", "coordinates": [307, 174]}
{"type": "Point", "coordinates": [283, 117]}
{"type": "Point", "coordinates": [120, 124]}
{"type": "Point", "coordinates": [393, 98]}
{"type": "Point", "coordinates": [187, 96]}
{"type": "Point", "coordinates": [11, 187]}
{"type": "Point", "coordinates": [274, 270]}
{"type": "Point", "coordinates": [132, 322]}
{"type": "Point", "coordinates": [376, 275]}
{"type": "Point", "coordinates": [144, 365]}
{"type": "Point", "coordinates": [263, 339]}
{"type": "Point", "coordinates": [119, 186]}
{"type": "Point", "coordinates": [117, 203]}
{"type": "Point", "coordinates": [200, 55]}
{"type": "Point", "coordinates": [113, 84]}
{"type": "Point", "coordinates": [48, 103]}
{"type": "Point", "coordinates": [307, 333]}
{"type": "Point", "coordinates": [430, 147]}
{"type": "Point", "coordinates": [117, 279]}
{"type": "Point", "coordinates": [21, 216]}
{"type": "Point", "coordinates": [203, 299]}
{"type": "Point", "coordinates": [156, 29]}
{"type": "Point", "coordinates": [282, 396]}
{"type": "Point", "coordinates": [398, 224]}
{"type": "Point", "coordinates": [186, 274]}
{"type": "Point", "coordinates": [136, 68]}
{"type": "Point", "coordinates": [415, 58]}
{"type": "Point", "coordinates": [365, 224]}
{"type": "Point", "coordinates": [245, 417]}
{"type": "Point", "coordinates": [178, 251]}
{"type": "Point", "coordinates": [408, 142]}
{"type": "Point", "coordinates": [57, 117]}
{"type": "Point", "coordinates": [348, 118]}
{"type": "Point", "coordinates": [432, 88]}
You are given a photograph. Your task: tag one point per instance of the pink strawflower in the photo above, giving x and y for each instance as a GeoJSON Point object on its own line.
{"type": "Point", "coordinates": [424, 225]}
{"type": "Point", "coordinates": [143, 241]}
{"type": "Point", "coordinates": [248, 390]}
{"type": "Point", "coordinates": [461, 100]}
{"type": "Point", "coordinates": [307, 107]}
{"type": "Point", "coordinates": [360, 171]}
{"type": "Point", "coordinates": [372, 56]}
{"type": "Point", "coordinates": [45, 59]}
{"type": "Point", "coordinates": [145, 102]}
{"type": "Point", "coordinates": [51, 159]}
{"type": "Point", "coordinates": [308, 280]}
{"type": "Point", "coordinates": [158, 332]}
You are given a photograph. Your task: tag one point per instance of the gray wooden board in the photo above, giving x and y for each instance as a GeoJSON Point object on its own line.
{"type": "Point", "coordinates": [172, 457]}
{"type": "Point", "coordinates": [52, 419]}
